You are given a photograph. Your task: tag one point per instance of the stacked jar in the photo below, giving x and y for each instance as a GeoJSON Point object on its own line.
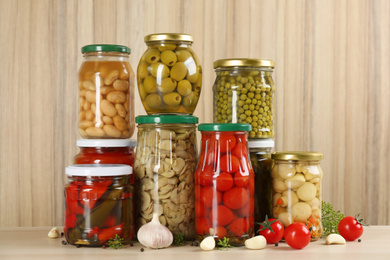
{"type": "Point", "coordinates": [99, 195]}
{"type": "Point", "coordinates": [169, 77]}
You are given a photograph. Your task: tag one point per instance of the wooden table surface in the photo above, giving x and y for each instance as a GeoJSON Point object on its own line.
{"type": "Point", "coordinates": [33, 243]}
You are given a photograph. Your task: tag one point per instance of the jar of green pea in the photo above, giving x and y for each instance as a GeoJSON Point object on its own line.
{"type": "Point", "coordinates": [244, 92]}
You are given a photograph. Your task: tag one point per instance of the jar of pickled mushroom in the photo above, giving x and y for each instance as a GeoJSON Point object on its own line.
{"type": "Point", "coordinates": [106, 151]}
{"type": "Point", "coordinates": [296, 187]}
{"type": "Point", "coordinates": [98, 204]}
{"type": "Point", "coordinates": [260, 155]}
{"type": "Point", "coordinates": [224, 184]}
{"type": "Point", "coordinates": [106, 92]}
{"type": "Point", "coordinates": [169, 74]}
{"type": "Point", "coordinates": [244, 92]}
{"type": "Point", "coordinates": [164, 168]}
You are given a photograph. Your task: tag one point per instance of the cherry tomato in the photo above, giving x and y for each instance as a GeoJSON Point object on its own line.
{"type": "Point", "coordinates": [229, 163]}
{"type": "Point", "coordinates": [210, 197]}
{"type": "Point", "coordinates": [351, 228]}
{"type": "Point", "coordinates": [236, 197]}
{"type": "Point", "coordinates": [239, 227]}
{"type": "Point", "coordinates": [272, 229]}
{"type": "Point", "coordinates": [241, 179]}
{"type": "Point", "coordinates": [240, 149]}
{"type": "Point", "coordinates": [220, 232]}
{"type": "Point", "coordinates": [297, 235]}
{"type": "Point", "coordinates": [221, 215]}
{"type": "Point", "coordinates": [226, 142]}
{"type": "Point", "coordinates": [224, 181]}
{"type": "Point", "coordinates": [247, 209]}
{"type": "Point", "coordinates": [200, 210]}
{"type": "Point", "coordinates": [203, 226]}
{"type": "Point", "coordinates": [205, 177]}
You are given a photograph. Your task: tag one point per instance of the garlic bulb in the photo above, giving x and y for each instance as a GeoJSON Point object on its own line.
{"type": "Point", "coordinates": [54, 233]}
{"type": "Point", "coordinates": [155, 235]}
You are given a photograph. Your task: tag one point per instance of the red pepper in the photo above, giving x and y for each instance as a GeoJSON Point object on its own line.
{"type": "Point", "coordinates": [110, 221]}
{"type": "Point", "coordinates": [89, 195]}
{"type": "Point", "coordinates": [70, 220]}
{"type": "Point", "coordinates": [107, 233]}
{"type": "Point", "coordinates": [93, 232]}
{"type": "Point", "coordinates": [71, 200]}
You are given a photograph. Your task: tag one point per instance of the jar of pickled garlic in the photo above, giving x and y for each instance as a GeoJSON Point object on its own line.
{"type": "Point", "coordinates": [169, 74]}
{"type": "Point", "coordinates": [164, 168]}
{"type": "Point", "coordinates": [98, 204]}
{"type": "Point", "coordinates": [224, 184]}
{"type": "Point", "coordinates": [106, 92]}
{"type": "Point", "coordinates": [296, 187]}
{"type": "Point", "coordinates": [260, 155]}
{"type": "Point", "coordinates": [244, 92]}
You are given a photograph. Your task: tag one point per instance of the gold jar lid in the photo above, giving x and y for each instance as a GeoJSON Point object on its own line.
{"type": "Point", "coordinates": [297, 156]}
{"type": "Point", "coordinates": [243, 63]}
{"type": "Point", "coordinates": [168, 37]}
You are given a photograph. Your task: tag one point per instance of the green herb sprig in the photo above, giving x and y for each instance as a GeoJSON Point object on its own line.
{"type": "Point", "coordinates": [178, 239]}
{"type": "Point", "coordinates": [330, 219]}
{"type": "Point", "coordinates": [116, 242]}
{"type": "Point", "coordinates": [224, 244]}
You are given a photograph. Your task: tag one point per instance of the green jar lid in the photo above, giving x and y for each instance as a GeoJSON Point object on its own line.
{"type": "Point", "coordinates": [105, 47]}
{"type": "Point", "coordinates": [225, 127]}
{"type": "Point", "coordinates": [166, 119]}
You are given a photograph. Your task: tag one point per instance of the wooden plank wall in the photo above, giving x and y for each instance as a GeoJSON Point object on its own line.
{"type": "Point", "coordinates": [332, 76]}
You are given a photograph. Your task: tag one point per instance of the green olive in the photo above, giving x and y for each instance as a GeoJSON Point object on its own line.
{"type": "Point", "coordinates": [166, 47]}
{"type": "Point", "coordinates": [189, 100]}
{"type": "Point", "coordinates": [159, 70]}
{"type": "Point", "coordinates": [153, 101]}
{"type": "Point", "coordinates": [152, 55]}
{"type": "Point", "coordinates": [172, 99]}
{"type": "Point", "coordinates": [184, 87]}
{"type": "Point", "coordinates": [169, 58]}
{"type": "Point", "coordinates": [178, 71]}
{"type": "Point", "coordinates": [142, 92]}
{"type": "Point", "coordinates": [183, 55]}
{"type": "Point", "coordinates": [143, 70]}
{"type": "Point", "coordinates": [150, 85]}
{"type": "Point", "coordinates": [167, 85]}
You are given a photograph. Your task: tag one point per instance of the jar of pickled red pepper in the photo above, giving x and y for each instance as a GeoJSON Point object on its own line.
{"type": "Point", "coordinates": [224, 184]}
{"type": "Point", "coordinates": [106, 151]}
{"type": "Point", "coordinates": [98, 204]}
{"type": "Point", "coordinates": [244, 92]}
{"type": "Point", "coordinates": [106, 92]}
{"type": "Point", "coordinates": [169, 74]}
{"type": "Point", "coordinates": [296, 187]}
{"type": "Point", "coordinates": [260, 155]}
{"type": "Point", "coordinates": [164, 168]}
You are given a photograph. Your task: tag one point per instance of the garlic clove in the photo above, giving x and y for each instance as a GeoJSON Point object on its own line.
{"type": "Point", "coordinates": [54, 233]}
{"type": "Point", "coordinates": [334, 239]}
{"type": "Point", "coordinates": [154, 235]}
{"type": "Point", "coordinates": [208, 243]}
{"type": "Point", "coordinates": [257, 242]}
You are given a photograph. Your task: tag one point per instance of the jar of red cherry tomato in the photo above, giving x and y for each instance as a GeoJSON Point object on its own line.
{"type": "Point", "coordinates": [224, 184]}
{"type": "Point", "coordinates": [106, 151]}
{"type": "Point", "coordinates": [98, 204]}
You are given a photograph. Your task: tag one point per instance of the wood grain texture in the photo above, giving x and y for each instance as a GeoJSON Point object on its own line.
{"type": "Point", "coordinates": [332, 76]}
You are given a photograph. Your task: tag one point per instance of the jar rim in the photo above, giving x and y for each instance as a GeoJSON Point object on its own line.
{"type": "Point", "coordinates": [261, 143]}
{"type": "Point", "coordinates": [98, 170]}
{"type": "Point", "coordinates": [106, 143]}
{"type": "Point", "coordinates": [105, 47]}
{"type": "Point", "coordinates": [297, 156]}
{"type": "Point", "coordinates": [243, 62]}
{"type": "Point", "coordinates": [168, 37]}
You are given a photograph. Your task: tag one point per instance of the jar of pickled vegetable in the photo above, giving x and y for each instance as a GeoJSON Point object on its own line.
{"type": "Point", "coordinates": [98, 204]}
{"type": "Point", "coordinates": [164, 168]}
{"type": "Point", "coordinates": [169, 74]}
{"type": "Point", "coordinates": [296, 187]}
{"type": "Point", "coordinates": [224, 184]}
{"type": "Point", "coordinates": [244, 92]}
{"type": "Point", "coordinates": [106, 151]}
{"type": "Point", "coordinates": [260, 155]}
{"type": "Point", "coordinates": [106, 92]}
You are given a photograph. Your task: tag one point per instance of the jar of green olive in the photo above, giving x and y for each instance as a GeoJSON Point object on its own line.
{"type": "Point", "coordinates": [296, 189]}
{"type": "Point", "coordinates": [169, 74]}
{"type": "Point", "coordinates": [244, 92]}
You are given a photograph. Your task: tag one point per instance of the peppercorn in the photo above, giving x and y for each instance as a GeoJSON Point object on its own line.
{"type": "Point", "coordinates": [64, 242]}
{"type": "Point", "coordinates": [131, 244]}
{"type": "Point", "coordinates": [142, 249]}
{"type": "Point", "coordinates": [276, 244]}
{"type": "Point", "coordinates": [359, 240]}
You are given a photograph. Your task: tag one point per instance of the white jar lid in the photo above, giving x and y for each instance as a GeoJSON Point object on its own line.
{"type": "Point", "coordinates": [98, 170]}
{"type": "Point", "coordinates": [261, 143]}
{"type": "Point", "coordinates": [106, 143]}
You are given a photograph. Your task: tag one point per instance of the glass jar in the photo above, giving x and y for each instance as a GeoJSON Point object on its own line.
{"type": "Point", "coordinates": [106, 92]}
{"type": "Point", "coordinates": [164, 169]}
{"type": "Point", "coordinates": [296, 187]}
{"type": "Point", "coordinates": [106, 151]}
{"type": "Point", "coordinates": [244, 92]}
{"type": "Point", "coordinates": [98, 204]}
{"type": "Point", "coordinates": [169, 74]}
{"type": "Point", "coordinates": [224, 184]}
{"type": "Point", "coordinates": [260, 155]}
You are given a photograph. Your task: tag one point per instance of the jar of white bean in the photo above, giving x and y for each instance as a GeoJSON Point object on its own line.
{"type": "Point", "coordinates": [296, 189]}
{"type": "Point", "coordinates": [106, 92]}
